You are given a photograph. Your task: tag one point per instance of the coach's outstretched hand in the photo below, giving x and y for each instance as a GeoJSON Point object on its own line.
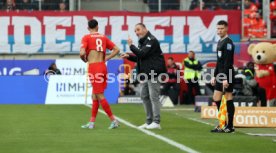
{"type": "Point", "coordinates": [129, 41]}
{"type": "Point", "coordinates": [125, 55]}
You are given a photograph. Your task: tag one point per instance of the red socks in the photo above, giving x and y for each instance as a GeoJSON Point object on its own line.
{"type": "Point", "coordinates": [107, 109]}
{"type": "Point", "coordinates": [94, 111]}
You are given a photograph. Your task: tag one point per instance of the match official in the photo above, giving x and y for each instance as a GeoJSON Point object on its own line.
{"type": "Point", "coordinates": [224, 75]}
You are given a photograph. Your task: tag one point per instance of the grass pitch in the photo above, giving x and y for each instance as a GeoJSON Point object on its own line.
{"type": "Point", "coordinates": [56, 129]}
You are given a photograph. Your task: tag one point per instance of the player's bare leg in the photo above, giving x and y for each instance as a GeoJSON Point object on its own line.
{"type": "Point", "coordinates": [114, 123]}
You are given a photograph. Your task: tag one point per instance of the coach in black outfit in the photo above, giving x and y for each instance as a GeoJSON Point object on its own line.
{"type": "Point", "coordinates": [149, 58]}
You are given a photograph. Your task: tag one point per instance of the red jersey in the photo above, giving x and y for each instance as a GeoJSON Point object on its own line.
{"type": "Point", "coordinates": [97, 42]}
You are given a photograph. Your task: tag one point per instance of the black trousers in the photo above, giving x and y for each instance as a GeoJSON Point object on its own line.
{"type": "Point", "coordinates": [192, 86]}
{"type": "Point", "coordinates": [262, 96]}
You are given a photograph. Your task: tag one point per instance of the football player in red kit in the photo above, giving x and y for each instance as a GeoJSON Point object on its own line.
{"type": "Point", "coordinates": [93, 50]}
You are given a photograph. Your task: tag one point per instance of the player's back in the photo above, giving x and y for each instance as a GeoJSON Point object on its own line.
{"type": "Point", "coordinates": [96, 45]}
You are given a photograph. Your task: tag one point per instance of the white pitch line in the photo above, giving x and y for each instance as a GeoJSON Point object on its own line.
{"type": "Point", "coordinates": [178, 109]}
{"type": "Point", "coordinates": [150, 133]}
{"type": "Point", "coordinates": [262, 134]}
{"type": "Point", "coordinates": [196, 120]}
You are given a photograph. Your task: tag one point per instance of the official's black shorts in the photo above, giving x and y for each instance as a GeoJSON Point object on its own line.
{"type": "Point", "coordinates": [219, 87]}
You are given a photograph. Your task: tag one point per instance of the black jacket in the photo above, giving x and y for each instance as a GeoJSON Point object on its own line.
{"type": "Point", "coordinates": [225, 57]}
{"type": "Point", "coordinates": [148, 56]}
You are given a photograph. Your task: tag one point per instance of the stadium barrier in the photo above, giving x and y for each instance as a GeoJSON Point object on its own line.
{"type": "Point", "coordinates": [239, 101]}
{"type": "Point", "coordinates": [246, 116]}
{"type": "Point", "coordinates": [23, 67]}
{"type": "Point", "coordinates": [22, 90]}
{"type": "Point", "coordinates": [130, 100]}
{"type": "Point", "coordinates": [68, 88]}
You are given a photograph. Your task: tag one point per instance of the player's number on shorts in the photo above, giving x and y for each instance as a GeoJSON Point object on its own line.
{"type": "Point", "coordinates": [99, 45]}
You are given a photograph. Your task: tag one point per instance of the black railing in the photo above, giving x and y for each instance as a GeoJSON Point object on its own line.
{"type": "Point", "coordinates": [30, 5]}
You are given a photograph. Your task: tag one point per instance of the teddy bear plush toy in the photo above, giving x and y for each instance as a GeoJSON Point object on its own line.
{"type": "Point", "coordinates": [264, 55]}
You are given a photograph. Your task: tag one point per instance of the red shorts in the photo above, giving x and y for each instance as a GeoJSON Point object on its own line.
{"type": "Point", "coordinates": [98, 76]}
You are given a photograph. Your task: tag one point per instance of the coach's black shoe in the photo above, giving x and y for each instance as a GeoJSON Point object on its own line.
{"type": "Point", "coordinates": [229, 130]}
{"type": "Point", "coordinates": [217, 129]}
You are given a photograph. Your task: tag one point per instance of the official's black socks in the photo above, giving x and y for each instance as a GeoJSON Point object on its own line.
{"type": "Point", "coordinates": [231, 112]}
